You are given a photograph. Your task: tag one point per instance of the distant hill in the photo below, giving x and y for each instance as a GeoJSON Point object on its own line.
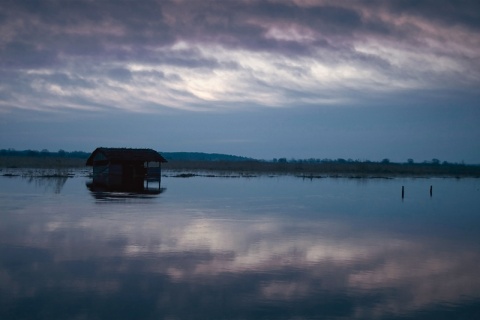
{"type": "Point", "coordinates": [200, 156]}
{"type": "Point", "coordinates": [170, 156]}
{"type": "Point", "coordinates": [11, 158]}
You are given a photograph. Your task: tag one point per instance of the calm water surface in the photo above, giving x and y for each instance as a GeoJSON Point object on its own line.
{"type": "Point", "coordinates": [241, 248]}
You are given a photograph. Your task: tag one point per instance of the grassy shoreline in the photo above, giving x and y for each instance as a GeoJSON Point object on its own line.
{"type": "Point", "coordinates": [333, 169]}
{"type": "Point", "coordinates": [61, 166]}
{"type": "Point", "coordinates": [40, 162]}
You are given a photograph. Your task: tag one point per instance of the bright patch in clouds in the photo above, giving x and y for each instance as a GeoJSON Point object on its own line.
{"type": "Point", "coordinates": [258, 79]}
{"type": "Point", "coordinates": [267, 54]}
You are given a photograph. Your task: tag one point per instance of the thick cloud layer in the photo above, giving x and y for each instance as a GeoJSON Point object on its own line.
{"type": "Point", "coordinates": [203, 55]}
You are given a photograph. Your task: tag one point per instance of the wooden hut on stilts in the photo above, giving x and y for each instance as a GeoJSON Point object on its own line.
{"type": "Point", "coordinates": [125, 167]}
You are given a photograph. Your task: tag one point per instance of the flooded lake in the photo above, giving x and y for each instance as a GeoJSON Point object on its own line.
{"type": "Point", "coordinates": [262, 247]}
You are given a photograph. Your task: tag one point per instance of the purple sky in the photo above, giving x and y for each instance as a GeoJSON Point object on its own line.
{"type": "Point", "coordinates": [265, 79]}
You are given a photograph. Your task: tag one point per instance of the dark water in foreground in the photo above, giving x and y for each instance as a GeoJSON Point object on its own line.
{"type": "Point", "coordinates": [241, 248]}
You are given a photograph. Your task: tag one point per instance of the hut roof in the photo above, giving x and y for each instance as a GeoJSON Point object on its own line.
{"type": "Point", "coordinates": [127, 155]}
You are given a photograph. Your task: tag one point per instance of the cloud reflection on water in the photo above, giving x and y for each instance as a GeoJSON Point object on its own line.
{"type": "Point", "coordinates": [286, 259]}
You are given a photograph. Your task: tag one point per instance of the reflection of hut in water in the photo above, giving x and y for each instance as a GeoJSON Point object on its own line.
{"type": "Point", "coordinates": [122, 169]}
{"type": "Point", "coordinates": [117, 192]}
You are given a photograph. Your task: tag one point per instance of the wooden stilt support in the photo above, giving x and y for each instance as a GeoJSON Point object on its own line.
{"type": "Point", "coordinates": [403, 192]}
{"type": "Point", "coordinates": [431, 191]}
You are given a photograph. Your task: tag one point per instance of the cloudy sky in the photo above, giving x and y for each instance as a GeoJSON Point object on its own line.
{"type": "Point", "coordinates": [264, 79]}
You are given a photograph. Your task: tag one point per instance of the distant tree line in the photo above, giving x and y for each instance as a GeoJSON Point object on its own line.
{"type": "Point", "coordinates": [11, 158]}
{"type": "Point", "coordinates": [170, 156]}
{"type": "Point", "coordinates": [409, 161]}
{"type": "Point", "coordinates": [221, 162]}
{"type": "Point", "coordinates": [44, 153]}
{"type": "Point", "coordinates": [201, 156]}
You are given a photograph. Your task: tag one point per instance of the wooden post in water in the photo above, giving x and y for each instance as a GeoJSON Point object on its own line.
{"type": "Point", "coordinates": [431, 190]}
{"type": "Point", "coordinates": [403, 192]}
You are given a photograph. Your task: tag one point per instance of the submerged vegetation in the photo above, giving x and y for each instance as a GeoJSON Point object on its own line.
{"type": "Point", "coordinates": [307, 168]}
{"type": "Point", "coordinates": [333, 168]}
